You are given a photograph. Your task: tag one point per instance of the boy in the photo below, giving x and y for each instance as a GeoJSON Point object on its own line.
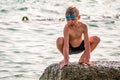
{"type": "Point", "coordinates": [72, 42]}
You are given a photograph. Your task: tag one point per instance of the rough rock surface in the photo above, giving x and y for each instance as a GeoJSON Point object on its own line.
{"type": "Point", "coordinates": [104, 70]}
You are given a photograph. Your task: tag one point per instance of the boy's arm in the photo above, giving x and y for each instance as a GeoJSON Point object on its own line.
{"type": "Point", "coordinates": [66, 44]}
{"type": "Point", "coordinates": [86, 44]}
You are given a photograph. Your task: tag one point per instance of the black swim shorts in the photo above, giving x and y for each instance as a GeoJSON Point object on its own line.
{"type": "Point", "coordinates": [75, 50]}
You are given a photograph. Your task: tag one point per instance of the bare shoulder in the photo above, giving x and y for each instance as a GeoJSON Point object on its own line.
{"type": "Point", "coordinates": [66, 26]}
{"type": "Point", "coordinates": [83, 25]}
{"type": "Point", "coordinates": [66, 29]}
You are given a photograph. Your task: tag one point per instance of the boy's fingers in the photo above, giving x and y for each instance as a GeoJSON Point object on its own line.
{"type": "Point", "coordinates": [90, 63]}
{"type": "Point", "coordinates": [62, 65]}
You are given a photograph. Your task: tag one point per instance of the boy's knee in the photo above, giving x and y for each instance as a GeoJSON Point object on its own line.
{"type": "Point", "coordinates": [60, 40]}
{"type": "Point", "coordinates": [96, 39]}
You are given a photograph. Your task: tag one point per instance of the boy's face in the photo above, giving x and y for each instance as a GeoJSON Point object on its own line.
{"type": "Point", "coordinates": [72, 20]}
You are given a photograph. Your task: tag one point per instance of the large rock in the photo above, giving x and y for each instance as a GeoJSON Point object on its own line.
{"type": "Point", "coordinates": [104, 70]}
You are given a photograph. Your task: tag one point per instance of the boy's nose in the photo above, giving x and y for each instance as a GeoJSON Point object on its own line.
{"type": "Point", "coordinates": [71, 20]}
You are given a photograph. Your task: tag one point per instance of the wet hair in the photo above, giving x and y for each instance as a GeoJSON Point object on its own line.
{"type": "Point", "coordinates": [72, 11]}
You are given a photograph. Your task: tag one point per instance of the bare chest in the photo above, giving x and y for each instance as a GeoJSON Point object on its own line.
{"type": "Point", "coordinates": [76, 32]}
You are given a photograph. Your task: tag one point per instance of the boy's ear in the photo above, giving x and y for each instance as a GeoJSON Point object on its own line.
{"type": "Point", "coordinates": [79, 17]}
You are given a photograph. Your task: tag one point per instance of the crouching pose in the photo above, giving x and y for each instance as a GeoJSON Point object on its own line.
{"type": "Point", "coordinates": [72, 41]}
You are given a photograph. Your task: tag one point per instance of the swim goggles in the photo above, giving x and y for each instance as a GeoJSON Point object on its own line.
{"type": "Point", "coordinates": [70, 17]}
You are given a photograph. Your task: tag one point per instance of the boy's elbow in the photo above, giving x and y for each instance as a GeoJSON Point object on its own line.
{"type": "Point", "coordinates": [97, 39]}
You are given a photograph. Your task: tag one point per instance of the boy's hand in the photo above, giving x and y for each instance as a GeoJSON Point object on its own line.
{"type": "Point", "coordinates": [63, 63]}
{"type": "Point", "coordinates": [85, 59]}
{"type": "Point", "coordinates": [90, 63]}
{"type": "Point", "coordinates": [85, 62]}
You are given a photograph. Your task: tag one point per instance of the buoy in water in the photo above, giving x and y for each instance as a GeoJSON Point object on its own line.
{"type": "Point", "coordinates": [25, 18]}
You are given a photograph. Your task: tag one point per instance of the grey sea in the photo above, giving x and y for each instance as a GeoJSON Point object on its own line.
{"type": "Point", "coordinates": [28, 47]}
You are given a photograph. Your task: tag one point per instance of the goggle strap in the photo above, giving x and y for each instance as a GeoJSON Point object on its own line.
{"type": "Point", "coordinates": [72, 17]}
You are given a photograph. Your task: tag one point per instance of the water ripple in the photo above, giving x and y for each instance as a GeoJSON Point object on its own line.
{"type": "Point", "coordinates": [23, 8]}
{"type": "Point", "coordinates": [4, 11]}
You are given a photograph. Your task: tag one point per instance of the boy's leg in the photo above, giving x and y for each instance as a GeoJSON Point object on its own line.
{"type": "Point", "coordinates": [94, 40]}
{"type": "Point", "coordinates": [60, 43]}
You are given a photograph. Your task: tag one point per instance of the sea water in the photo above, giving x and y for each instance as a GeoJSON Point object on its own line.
{"type": "Point", "coordinates": [28, 47]}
